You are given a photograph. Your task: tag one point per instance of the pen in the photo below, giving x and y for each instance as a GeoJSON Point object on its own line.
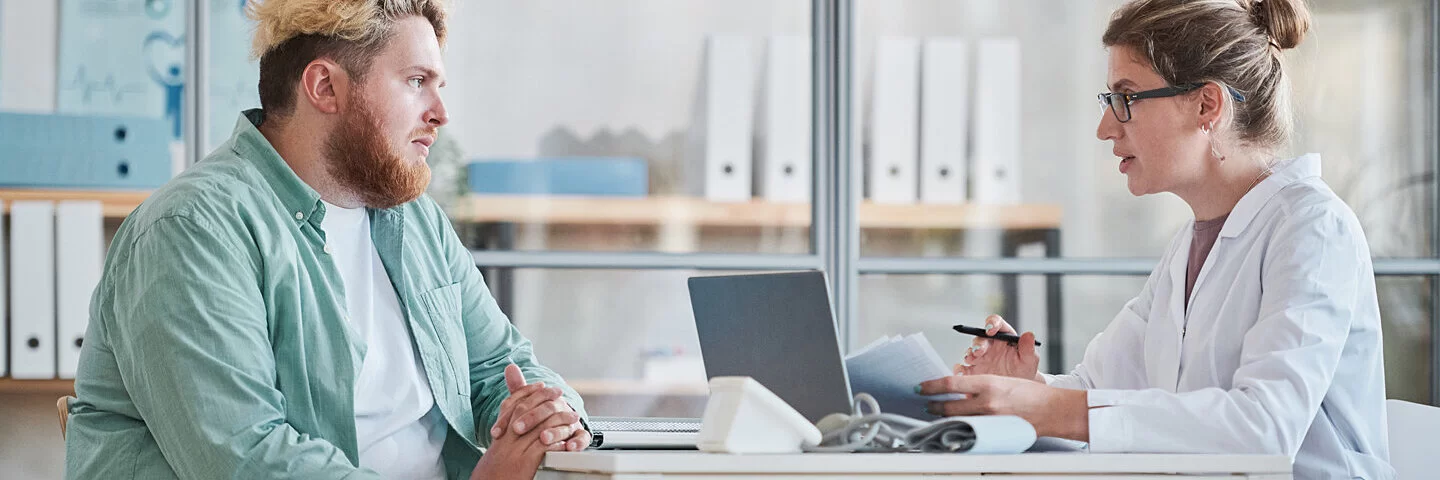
{"type": "Point", "coordinates": [980, 332]}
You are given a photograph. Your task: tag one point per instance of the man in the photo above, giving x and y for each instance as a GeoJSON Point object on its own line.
{"type": "Point", "coordinates": [293, 307]}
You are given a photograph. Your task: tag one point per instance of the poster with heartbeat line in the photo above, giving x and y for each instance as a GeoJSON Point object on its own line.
{"type": "Point", "coordinates": [122, 57]}
{"type": "Point", "coordinates": [126, 57]}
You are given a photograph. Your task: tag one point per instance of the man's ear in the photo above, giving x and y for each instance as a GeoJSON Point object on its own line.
{"type": "Point", "coordinates": [324, 85]}
{"type": "Point", "coordinates": [1212, 101]}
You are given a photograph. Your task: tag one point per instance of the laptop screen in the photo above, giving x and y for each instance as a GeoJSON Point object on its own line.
{"type": "Point", "coordinates": [778, 329]}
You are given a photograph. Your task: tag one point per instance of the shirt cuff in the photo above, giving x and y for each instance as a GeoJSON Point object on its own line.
{"type": "Point", "coordinates": [1110, 429]}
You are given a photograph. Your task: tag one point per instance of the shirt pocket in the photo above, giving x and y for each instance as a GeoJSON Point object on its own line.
{"type": "Point", "coordinates": [441, 308]}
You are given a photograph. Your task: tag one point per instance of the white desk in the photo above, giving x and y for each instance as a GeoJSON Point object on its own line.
{"type": "Point", "coordinates": [680, 465]}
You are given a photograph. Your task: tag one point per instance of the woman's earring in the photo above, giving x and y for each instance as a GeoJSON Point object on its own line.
{"type": "Point", "coordinates": [1205, 129]}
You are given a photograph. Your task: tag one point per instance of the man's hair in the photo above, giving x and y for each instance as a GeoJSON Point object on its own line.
{"type": "Point", "coordinates": [289, 34]}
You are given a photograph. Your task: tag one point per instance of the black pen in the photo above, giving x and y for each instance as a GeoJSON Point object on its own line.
{"type": "Point", "coordinates": [980, 332]}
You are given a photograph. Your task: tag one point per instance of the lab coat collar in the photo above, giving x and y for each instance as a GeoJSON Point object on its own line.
{"type": "Point", "coordinates": [1282, 175]}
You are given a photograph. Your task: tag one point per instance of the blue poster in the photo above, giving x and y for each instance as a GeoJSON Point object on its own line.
{"type": "Point", "coordinates": [122, 57]}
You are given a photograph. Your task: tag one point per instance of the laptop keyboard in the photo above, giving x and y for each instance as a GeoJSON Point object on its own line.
{"type": "Point", "coordinates": [622, 424]}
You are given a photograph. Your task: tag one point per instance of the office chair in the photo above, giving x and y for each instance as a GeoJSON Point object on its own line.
{"type": "Point", "coordinates": [1412, 438]}
{"type": "Point", "coordinates": [63, 405]}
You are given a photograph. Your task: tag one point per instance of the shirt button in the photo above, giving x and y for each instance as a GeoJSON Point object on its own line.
{"type": "Point", "coordinates": [299, 216]}
{"type": "Point", "coordinates": [329, 250]}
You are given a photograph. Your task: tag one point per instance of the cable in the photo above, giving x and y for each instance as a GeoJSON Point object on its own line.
{"type": "Point", "coordinates": [887, 432]}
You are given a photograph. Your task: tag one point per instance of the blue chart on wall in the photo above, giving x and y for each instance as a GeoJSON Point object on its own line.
{"type": "Point", "coordinates": [122, 57]}
{"type": "Point", "coordinates": [127, 57]}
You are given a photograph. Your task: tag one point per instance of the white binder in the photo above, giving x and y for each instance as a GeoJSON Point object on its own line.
{"type": "Point", "coordinates": [719, 147]}
{"type": "Point", "coordinates": [944, 111]}
{"type": "Point", "coordinates": [32, 290]}
{"type": "Point", "coordinates": [80, 245]}
{"type": "Point", "coordinates": [997, 136]}
{"type": "Point", "coordinates": [890, 175]}
{"type": "Point", "coordinates": [784, 164]}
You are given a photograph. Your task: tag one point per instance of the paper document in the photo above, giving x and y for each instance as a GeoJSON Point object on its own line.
{"type": "Point", "coordinates": [890, 368]}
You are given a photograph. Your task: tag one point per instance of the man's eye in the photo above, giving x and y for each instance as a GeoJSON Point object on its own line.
{"type": "Point", "coordinates": [415, 82]}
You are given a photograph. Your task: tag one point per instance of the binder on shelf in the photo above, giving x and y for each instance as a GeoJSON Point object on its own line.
{"type": "Point", "coordinates": [783, 167]}
{"type": "Point", "coordinates": [79, 252]}
{"type": "Point", "coordinates": [997, 137]}
{"type": "Point", "coordinates": [944, 111]}
{"type": "Point", "coordinates": [32, 290]}
{"type": "Point", "coordinates": [890, 175]}
{"type": "Point", "coordinates": [583, 176]}
{"type": "Point", "coordinates": [72, 151]}
{"type": "Point", "coordinates": [719, 148]}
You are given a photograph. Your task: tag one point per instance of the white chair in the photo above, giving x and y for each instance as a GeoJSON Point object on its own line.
{"type": "Point", "coordinates": [1412, 438]}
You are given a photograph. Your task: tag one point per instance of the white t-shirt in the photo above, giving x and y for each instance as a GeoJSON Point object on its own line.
{"type": "Point", "coordinates": [399, 428]}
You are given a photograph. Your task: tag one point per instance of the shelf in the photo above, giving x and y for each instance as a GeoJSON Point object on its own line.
{"type": "Point", "coordinates": [660, 210]}
{"type": "Point", "coordinates": [114, 203]}
{"type": "Point", "coordinates": [56, 387]}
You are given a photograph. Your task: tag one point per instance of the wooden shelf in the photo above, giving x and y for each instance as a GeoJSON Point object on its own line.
{"type": "Point", "coordinates": [114, 203]}
{"type": "Point", "coordinates": [559, 210]}
{"type": "Point", "coordinates": [56, 387]}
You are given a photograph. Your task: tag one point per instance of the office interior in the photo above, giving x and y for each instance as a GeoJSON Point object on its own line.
{"type": "Point", "coordinates": [576, 167]}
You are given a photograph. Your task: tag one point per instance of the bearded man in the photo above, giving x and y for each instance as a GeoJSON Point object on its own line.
{"type": "Point", "coordinates": [293, 306]}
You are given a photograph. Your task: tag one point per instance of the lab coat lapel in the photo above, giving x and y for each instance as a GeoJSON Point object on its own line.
{"type": "Point", "coordinates": [1166, 364]}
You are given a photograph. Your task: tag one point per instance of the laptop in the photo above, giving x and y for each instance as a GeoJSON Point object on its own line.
{"type": "Point", "coordinates": [776, 328]}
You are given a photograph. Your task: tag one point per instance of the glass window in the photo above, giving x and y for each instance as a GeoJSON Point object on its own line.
{"type": "Point", "coordinates": [1406, 307]}
{"type": "Point", "coordinates": [234, 78]}
{"type": "Point", "coordinates": [1032, 159]}
{"type": "Point", "coordinates": [624, 339]}
{"type": "Point", "coordinates": [678, 126]}
{"type": "Point", "coordinates": [903, 304]}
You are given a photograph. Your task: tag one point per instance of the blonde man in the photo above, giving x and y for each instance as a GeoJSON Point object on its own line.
{"type": "Point", "coordinates": [293, 307]}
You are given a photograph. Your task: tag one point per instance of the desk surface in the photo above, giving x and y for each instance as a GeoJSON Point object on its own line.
{"type": "Point", "coordinates": [690, 462]}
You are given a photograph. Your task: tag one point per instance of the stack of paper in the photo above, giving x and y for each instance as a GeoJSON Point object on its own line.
{"type": "Point", "coordinates": [890, 368]}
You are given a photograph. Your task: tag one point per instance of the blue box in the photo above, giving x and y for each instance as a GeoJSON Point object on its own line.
{"type": "Point", "coordinates": [70, 151]}
{"type": "Point", "coordinates": [591, 176]}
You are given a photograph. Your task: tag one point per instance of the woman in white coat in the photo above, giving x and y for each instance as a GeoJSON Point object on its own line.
{"type": "Point", "coordinates": [1259, 331]}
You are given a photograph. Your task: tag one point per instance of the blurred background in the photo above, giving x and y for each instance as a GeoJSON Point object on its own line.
{"type": "Point", "coordinates": [936, 159]}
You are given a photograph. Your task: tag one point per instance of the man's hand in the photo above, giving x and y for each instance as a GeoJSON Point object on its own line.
{"type": "Point", "coordinates": [517, 454]}
{"type": "Point", "coordinates": [533, 408]}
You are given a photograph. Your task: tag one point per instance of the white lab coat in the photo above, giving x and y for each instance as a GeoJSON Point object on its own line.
{"type": "Point", "coordinates": [1279, 353]}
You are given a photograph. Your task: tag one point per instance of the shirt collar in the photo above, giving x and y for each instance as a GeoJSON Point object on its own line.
{"type": "Point", "coordinates": [1282, 175]}
{"type": "Point", "coordinates": [301, 202]}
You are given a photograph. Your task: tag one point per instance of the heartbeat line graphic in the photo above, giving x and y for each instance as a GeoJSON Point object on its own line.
{"type": "Point", "coordinates": [107, 86]}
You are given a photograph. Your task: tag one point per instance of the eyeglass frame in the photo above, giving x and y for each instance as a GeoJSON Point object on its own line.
{"type": "Point", "coordinates": [1170, 91]}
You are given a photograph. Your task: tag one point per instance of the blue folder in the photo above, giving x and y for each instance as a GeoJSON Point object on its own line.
{"type": "Point", "coordinates": [591, 176]}
{"type": "Point", "coordinates": [71, 151]}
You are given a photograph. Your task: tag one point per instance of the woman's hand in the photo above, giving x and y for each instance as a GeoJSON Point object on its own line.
{"type": "Point", "coordinates": [994, 357]}
{"type": "Point", "coordinates": [1055, 412]}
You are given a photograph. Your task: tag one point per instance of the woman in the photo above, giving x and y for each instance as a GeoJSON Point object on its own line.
{"type": "Point", "coordinates": [1259, 331]}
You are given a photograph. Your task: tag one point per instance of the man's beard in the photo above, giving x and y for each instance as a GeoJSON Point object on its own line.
{"type": "Point", "coordinates": [359, 159]}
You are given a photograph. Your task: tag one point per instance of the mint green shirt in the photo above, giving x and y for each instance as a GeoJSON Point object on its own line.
{"type": "Point", "coordinates": [218, 345]}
